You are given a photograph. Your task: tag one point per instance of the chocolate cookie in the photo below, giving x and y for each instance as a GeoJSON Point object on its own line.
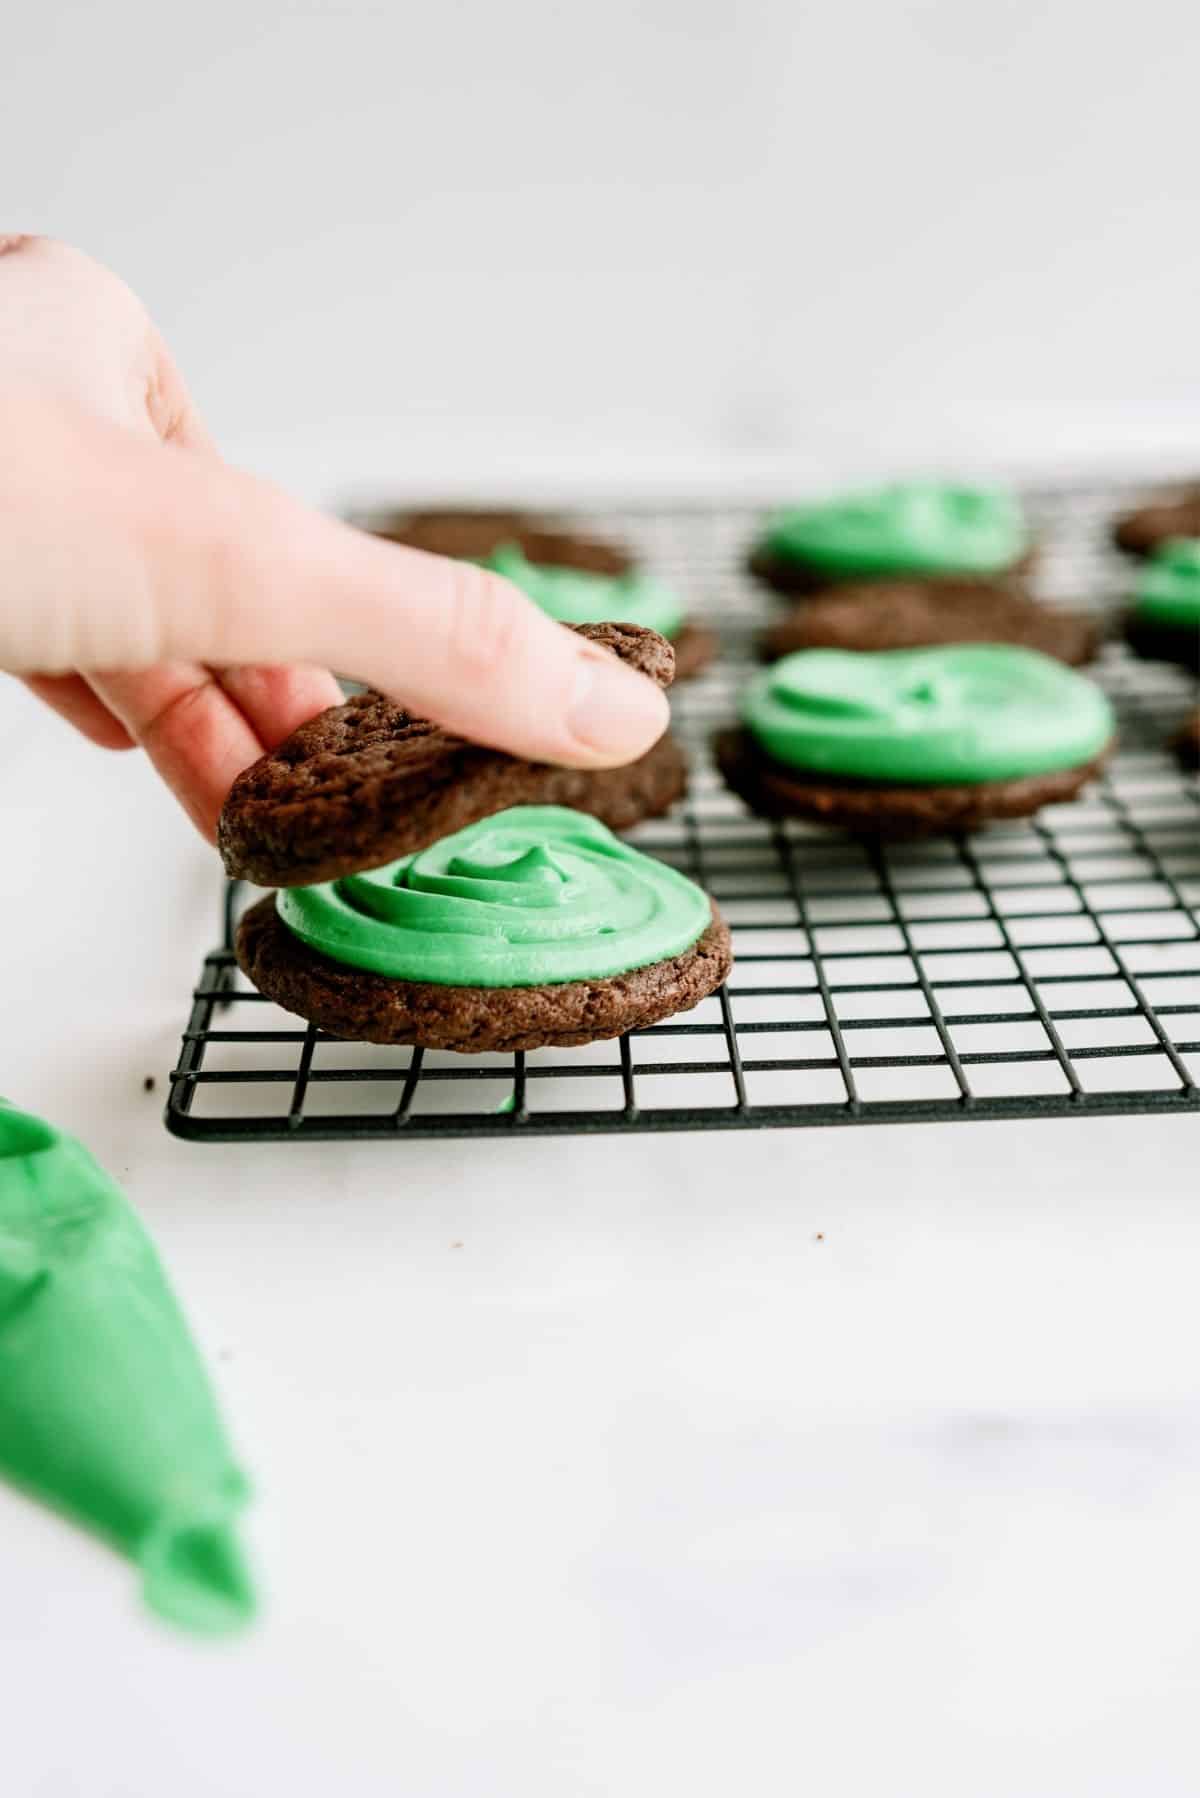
{"type": "Point", "coordinates": [364, 1007]}
{"type": "Point", "coordinates": [471, 535]}
{"type": "Point", "coordinates": [912, 614]}
{"type": "Point", "coordinates": [796, 580]}
{"type": "Point", "coordinates": [1186, 741]}
{"type": "Point", "coordinates": [695, 647]}
{"type": "Point", "coordinates": [1174, 514]}
{"type": "Point", "coordinates": [365, 782]}
{"type": "Point", "coordinates": [880, 809]}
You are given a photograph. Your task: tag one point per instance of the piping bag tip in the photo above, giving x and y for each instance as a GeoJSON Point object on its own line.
{"type": "Point", "coordinates": [195, 1575]}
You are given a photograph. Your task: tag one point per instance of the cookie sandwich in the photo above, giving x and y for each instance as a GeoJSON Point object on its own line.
{"type": "Point", "coordinates": [921, 613]}
{"type": "Point", "coordinates": [440, 894]}
{"type": "Point", "coordinates": [576, 596]}
{"type": "Point", "coordinates": [915, 742]}
{"type": "Point", "coordinates": [1163, 624]}
{"type": "Point", "coordinates": [365, 782]}
{"type": "Point", "coordinates": [911, 529]}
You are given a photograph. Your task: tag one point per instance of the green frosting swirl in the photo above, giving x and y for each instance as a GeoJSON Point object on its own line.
{"type": "Point", "coordinates": [915, 527]}
{"type": "Point", "coordinates": [1169, 590]}
{"type": "Point", "coordinates": [531, 896]}
{"type": "Point", "coordinates": [969, 712]}
{"type": "Point", "coordinates": [574, 597]}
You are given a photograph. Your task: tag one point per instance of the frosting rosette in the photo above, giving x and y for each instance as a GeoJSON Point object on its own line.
{"type": "Point", "coordinates": [529, 897]}
{"type": "Point", "coordinates": [912, 527]}
{"type": "Point", "coordinates": [968, 712]}
{"type": "Point", "coordinates": [574, 597]}
{"type": "Point", "coordinates": [1169, 590]}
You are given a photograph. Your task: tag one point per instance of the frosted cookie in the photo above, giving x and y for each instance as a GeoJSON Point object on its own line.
{"type": "Point", "coordinates": [532, 928]}
{"type": "Point", "coordinates": [915, 742]}
{"type": "Point", "coordinates": [915, 528]}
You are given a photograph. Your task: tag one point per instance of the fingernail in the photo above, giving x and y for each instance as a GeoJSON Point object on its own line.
{"type": "Point", "coordinates": [615, 711]}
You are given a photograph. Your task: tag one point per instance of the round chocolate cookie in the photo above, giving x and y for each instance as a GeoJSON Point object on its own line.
{"type": "Point", "coordinates": [915, 614]}
{"type": "Point", "coordinates": [471, 535]}
{"type": "Point", "coordinates": [366, 1007]}
{"type": "Point", "coordinates": [1175, 514]}
{"type": "Point", "coordinates": [797, 580]}
{"type": "Point", "coordinates": [874, 808]}
{"type": "Point", "coordinates": [695, 647]}
{"type": "Point", "coordinates": [365, 782]}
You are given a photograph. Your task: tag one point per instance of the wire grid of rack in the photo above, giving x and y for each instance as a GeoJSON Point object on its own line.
{"type": "Point", "coordinates": [1049, 967]}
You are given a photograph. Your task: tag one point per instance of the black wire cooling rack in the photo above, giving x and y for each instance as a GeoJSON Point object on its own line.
{"type": "Point", "coordinates": [1046, 968]}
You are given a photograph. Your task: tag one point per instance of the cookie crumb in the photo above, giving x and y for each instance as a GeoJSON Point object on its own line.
{"type": "Point", "coordinates": [148, 1084]}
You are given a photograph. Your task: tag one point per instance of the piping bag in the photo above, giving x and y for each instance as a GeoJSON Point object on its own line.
{"type": "Point", "coordinates": [106, 1412]}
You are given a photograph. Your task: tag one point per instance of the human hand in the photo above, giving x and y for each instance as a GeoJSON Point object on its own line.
{"type": "Point", "coordinates": [154, 596]}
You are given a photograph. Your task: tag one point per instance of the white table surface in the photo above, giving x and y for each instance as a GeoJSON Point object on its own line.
{"type": "Point", "coordinates": [856, 1461]}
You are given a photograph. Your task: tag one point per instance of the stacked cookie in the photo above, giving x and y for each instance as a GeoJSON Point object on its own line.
{"type": "Point", "coordinates": [916, 687]}
{"type": "Point", "coordinates": [437, 893]}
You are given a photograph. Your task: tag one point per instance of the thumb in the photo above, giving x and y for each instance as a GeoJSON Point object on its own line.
{"type": "Point", "coordinates": [176, 557]}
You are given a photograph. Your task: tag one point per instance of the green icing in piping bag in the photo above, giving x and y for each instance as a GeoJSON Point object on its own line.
{"type": "Point", "coordinates": [106, 1412]}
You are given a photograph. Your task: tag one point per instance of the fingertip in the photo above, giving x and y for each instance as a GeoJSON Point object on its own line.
{"type": "Point", "coordinates": [614, 714]}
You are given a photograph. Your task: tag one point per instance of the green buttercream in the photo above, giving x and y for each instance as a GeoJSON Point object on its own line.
{"type": "Point", "coordinates": [971, 712]}
{"type": "Point", "coordinates": [533, 895]}
{"type": "Point", "coordinates": [574, 597]}
{"type": "Point", "coordinates": [1169, 590]}
{"type": "Point", "coordinates": [914, 527]}
{"type": "Point", "coordinates": [105, 1409]}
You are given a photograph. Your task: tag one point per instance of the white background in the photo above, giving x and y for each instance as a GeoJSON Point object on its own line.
{"type": "Point", "coordinates": [859, 1461]}
{"type": "Point", "coordinates": [422, 238]}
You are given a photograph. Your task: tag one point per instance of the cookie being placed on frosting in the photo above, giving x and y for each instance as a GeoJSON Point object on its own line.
{"type": "Point", "coordinates": [918, 614]}
{"type": "Point", "coordinates": [573, 596]}
{"type": "Point", "coordinates": [470, 535]}
{"type": "Point", "coordinates": [915, 742]}
{"type": "Point", "coordinates": [1174, 514]}
{"type": "Point", "coordinates": [926, 529]}
{"type": "Point", "coordinates": [532, 928]}
{"type": "Point", "coordinates": [366, 781]}
{"type": "Point", "coordinates": [1163, 624]}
